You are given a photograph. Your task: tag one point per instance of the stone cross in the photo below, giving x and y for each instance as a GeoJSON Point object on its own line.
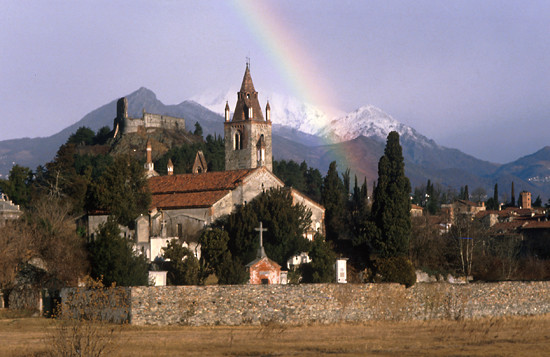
{"type": "Point", "coordinates": [261, 251]}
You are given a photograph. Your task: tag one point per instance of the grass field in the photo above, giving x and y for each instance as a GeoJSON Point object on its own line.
{"type": "Point", "coordinates": [510, 336]}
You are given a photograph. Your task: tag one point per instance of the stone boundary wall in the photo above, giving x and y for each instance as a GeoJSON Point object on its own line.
{"type": "Point", "coordinates": [332, 303]}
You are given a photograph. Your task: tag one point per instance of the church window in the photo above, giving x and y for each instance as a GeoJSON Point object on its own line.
{"type": "Point", "coordinates": [238, 142]}
{"type": "Point", "coordinates": [250, 114]}
{"type": "Point", "coordinates": [180, 230]}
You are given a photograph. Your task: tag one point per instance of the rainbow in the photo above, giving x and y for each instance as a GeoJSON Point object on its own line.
{"type": "Point", "coordinates": [292, 62]}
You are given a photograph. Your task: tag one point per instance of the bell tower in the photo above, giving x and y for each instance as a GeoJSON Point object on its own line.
{"type": "Point", "coordinates": [247, 134]}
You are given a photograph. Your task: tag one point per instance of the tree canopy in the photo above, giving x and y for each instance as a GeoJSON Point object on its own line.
{"type": "Point", "coordinates": [285, 223]}
{"type": "Point", "coordinates": [391, 203]}
{"type": "Point", "coordinates": [122, 191]}
{"type": "Point", "coordinates": [183, 267]}
{"type": "Point", "coordinates": [113, 260]}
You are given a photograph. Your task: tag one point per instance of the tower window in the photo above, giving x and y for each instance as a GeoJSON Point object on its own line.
{"type": "Point", "coordinates": [238, 142]}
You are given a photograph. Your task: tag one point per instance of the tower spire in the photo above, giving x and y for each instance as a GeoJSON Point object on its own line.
{"type": "Point", "coordinates": [247, 134]}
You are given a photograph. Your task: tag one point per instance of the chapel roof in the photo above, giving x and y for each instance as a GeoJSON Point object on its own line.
{"type": "Point", "coordinates": [207, 181]}
{"type": "Point", "coordinates": [194, 190]}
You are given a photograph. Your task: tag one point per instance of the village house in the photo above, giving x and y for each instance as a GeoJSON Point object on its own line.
{"type": "Point", "coordinates": [526, 223]}
{"type": "Point", "coordinates": [462, 207]}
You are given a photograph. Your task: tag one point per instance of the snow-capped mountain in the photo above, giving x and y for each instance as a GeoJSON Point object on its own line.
{"type": "Point", "coordinates": [360, 138]}
{"type": "Point", "coordinates": [368, 121]}
{"type": "Point", "coordinates": [285, 110]}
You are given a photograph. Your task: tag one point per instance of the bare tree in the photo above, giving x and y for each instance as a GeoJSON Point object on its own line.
{"type": "Point", "coordinates": [467, 233]}
{"type": "Point", "coordinates": [479, 195]}
{"type": "Point", "coordinates": [46, 232]}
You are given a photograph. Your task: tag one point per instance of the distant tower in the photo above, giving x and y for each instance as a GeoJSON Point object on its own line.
{"type": "Point", "coordinates": [149, 165]}
{"type": "Point", "coordinates": [248, 134]}
{"type": "Point", "coordinates": [525, 199]}
{"type": "Point", "coordinates": [121, 116]}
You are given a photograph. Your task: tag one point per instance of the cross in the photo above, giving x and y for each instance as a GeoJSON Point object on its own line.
{"type": "Point", "coordinates": [261, 230]}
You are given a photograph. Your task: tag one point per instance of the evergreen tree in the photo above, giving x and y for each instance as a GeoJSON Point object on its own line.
{"type": "Point", "coordinates": [286, 224]}
{"type": "Point", "coordinates": [321, 268]}
{"type": "Point", "coordinates": [432, 198]}
{"type": "Point", "coordinates": [513, 203]}
{"type": "Point", "coordinates": [183, 156]}
{"type": "Point", "coordinates": [82, 136]}
{"type": "Point", "coordinates": [346, 180]}
{"type": "Point", "coordinates": [537, 202]}
{"type": "Point", "coordinates": [217, 259]}
{"type": "Point", "coordinates": [391, 206]}
{"type": "Point", "coordinates": [112, 258]}
{"type": "Point", "coordinates": [122, 191]}
{"type": "Point", "coordinates": [359, 209]}
{"type": "Point", "coordinates": [102, 135]}
{"type": "Point", "coordinates": [334, 200]}
{"type": "Point", "coordinates": [198, 129]}
{"type": "Point", "coordinates": [492, 203]}
{"type": "Point", "coordinates": [183, 266]}
{"type": "Point", "coordinates": [18, 185]}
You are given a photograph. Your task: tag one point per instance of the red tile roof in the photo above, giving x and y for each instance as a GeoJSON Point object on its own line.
{"type": "Point", "coordinates": [208, 181]}
{"type": "Point", "coordinates": [187, 200]}
{"type": "Point", "coordinates": [501, 227]}
{"type": "Point", "coordinates": [537, 225]}
{"type": "Point", "coordinates": [194, 190]}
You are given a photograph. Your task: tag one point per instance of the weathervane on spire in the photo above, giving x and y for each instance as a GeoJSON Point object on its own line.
{"type": "Point", "coordinates": [248, 62]}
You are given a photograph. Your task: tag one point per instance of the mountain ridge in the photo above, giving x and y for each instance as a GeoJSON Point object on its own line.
{"type": "Point", "coordinates": [359, 135]}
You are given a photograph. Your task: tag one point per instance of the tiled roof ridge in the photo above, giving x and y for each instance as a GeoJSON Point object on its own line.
{"type": "Point", "coordinates": [176, 183]}
{"type": "Point", "coordinates": [191, 191]}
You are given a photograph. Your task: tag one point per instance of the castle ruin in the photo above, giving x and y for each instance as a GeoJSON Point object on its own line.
{"type": "Point", "coordinates": [123, 124]}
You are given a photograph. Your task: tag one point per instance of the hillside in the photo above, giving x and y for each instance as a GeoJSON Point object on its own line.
{"type": "Point", "coordinates": [355, 140]}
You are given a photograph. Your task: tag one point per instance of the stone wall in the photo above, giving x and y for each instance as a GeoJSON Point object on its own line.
{"type": "Point", "coordinates": [332, 303]}
{"type": "Point", "coordinates": [152, 121]}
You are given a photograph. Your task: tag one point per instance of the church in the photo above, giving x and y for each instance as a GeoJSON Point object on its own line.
{"type": "Point", "coordinates": [182, 205]}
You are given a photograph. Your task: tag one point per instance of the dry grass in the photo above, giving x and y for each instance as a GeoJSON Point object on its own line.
{"type": "Point", "coordinates": [510, 336]}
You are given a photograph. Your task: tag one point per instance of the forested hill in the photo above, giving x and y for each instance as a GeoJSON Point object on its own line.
{"type": "Point", "coordinates": [424, 159]}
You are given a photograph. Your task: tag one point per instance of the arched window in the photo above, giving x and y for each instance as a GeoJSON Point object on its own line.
{"type": "Point", "coordinates": [238, 142]}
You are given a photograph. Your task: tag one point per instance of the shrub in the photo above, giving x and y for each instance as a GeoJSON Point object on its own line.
{"type": "Point", "coordinates": [88, 321]}
{"type": "Point", "coordinates": [396, 270]}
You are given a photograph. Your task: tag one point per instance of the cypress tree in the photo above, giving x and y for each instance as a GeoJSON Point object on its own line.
{"type": "Point", "coordinates": [391, 206]}
{"type": "Point", "coordinates": [513, 204]}
{"type": "Point", "coordinates": [495, 196]}
{"type": "Point", "coordinates": [334, 200]}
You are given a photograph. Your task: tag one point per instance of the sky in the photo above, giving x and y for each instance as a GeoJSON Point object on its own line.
{"type": "Point", "coordinates": [472, 75]}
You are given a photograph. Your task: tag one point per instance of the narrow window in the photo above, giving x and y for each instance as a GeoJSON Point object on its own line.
{"type": "Point", "coordinates": [238, 143]}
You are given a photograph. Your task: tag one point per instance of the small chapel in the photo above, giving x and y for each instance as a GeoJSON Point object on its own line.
{"type": "Point", "coordinates": [182, 205]}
